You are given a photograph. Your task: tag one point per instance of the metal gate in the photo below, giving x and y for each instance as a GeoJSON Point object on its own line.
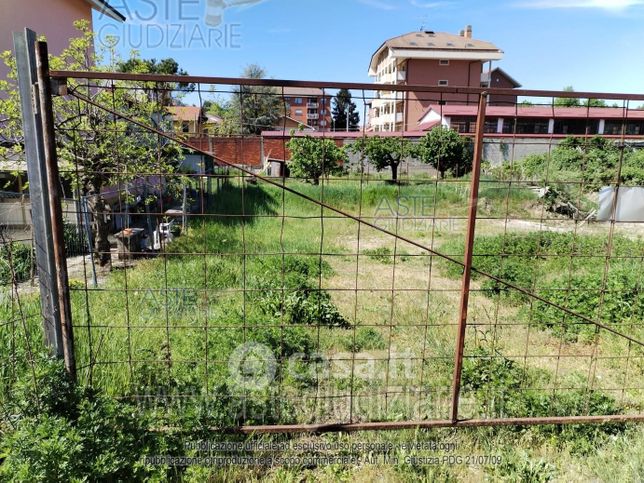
{"type": "Point", "coordinates": [336, 301]}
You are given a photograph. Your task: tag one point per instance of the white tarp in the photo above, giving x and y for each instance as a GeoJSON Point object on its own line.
{"type": "Point", "coordinates": [630, 205]}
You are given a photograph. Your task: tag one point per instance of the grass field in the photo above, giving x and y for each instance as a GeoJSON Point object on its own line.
{"type": "Point", "coordinates": [362, 326]}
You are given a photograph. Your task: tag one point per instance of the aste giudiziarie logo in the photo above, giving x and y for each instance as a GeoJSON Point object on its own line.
{"type": "Point", "coordinates": [175, 25]}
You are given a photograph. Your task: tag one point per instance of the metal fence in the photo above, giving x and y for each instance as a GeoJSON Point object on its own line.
{"type": "Point", "coordinates": [458, 295]}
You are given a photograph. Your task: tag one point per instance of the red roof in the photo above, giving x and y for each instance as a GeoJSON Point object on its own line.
{"type": "Point", "coordinates": [539, 111]}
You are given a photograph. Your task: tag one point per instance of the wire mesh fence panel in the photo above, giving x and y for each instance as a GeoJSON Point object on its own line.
{"type": "Point", "coordinates": [258, 263]}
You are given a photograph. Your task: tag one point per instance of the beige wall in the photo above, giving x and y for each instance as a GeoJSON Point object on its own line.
{"type": "Point", "coordinates": [51, 18]}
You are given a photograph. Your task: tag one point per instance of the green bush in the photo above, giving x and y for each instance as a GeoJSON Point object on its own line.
{"type": "Point", "coordinates": [290, 293]}
{"type": "Point", "coordinates": [595, 162]}
{"type": "Point", "coordinates": [63, 432]}
{"type": "Point", "coordinates": [503, 388]}
{"type": "Point", "coordinates": [15, 258]}
{"type": "Point", "coordinates": [560, 268]}
{"type": "Point", "coordinates": [622, 300]}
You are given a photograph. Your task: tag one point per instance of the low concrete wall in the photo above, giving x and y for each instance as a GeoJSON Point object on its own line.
{"type": "Point", "coordinates": [16, 213]}
{"type": "Point", "coordinates": [498, 151]}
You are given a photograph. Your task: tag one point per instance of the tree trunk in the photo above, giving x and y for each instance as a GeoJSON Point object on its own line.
{"type": "Point", "coordinates": [394, 172]}
{"type": "Point", "coordinates": [101, 229]}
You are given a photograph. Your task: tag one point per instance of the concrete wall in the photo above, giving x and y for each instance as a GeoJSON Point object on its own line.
{"type": "Point", "coordinates": [504, 150]}
{"type": "Point", "coordinates": [16, 213]}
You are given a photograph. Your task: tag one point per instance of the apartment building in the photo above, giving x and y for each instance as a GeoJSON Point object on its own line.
{"type": "Point", "coordinates": [426, 58]}
{"type": "Point", "coordinates": [52, 18]}
{"type": "Point", "coordinates": [309, 107]}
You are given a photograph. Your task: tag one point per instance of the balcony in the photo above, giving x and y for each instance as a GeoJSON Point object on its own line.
{"type": "Point", "coordinates": [312, 105]}
{"type": "Point", "coordinates": [313, 116]}
{"type": "Point", "coordinates": [383, 98]}
{"type": "Point", "coordinates": [390, 118]}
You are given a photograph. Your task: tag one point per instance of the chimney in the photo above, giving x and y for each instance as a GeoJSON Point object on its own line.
{"type": "Point", "coordinates": [468, 32]}
{"type": "Point", "coordinates": [462, 34]}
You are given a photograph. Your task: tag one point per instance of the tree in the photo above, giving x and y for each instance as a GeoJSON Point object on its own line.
{"type": "Point", "coordinates": [577, 102]}
{"type": "Point", "coordinates": [254, 109]}
{"type": "Point", "coordinates": [313, 158]}
{"type": "Point", "coordinates": [341, 103]}
{"type": "Point", "coordinates": [96, 149]}
{"type": "Point", "coordinates": [446, 151]}
{"type": "Point", "coordinates": [169, 66]}
{"type": "Point", "coordinates": [567, 101]}
{"type": "Point", "coordinates": [224, 109]}
{"type": "Point", "coordinates": [384, 152]}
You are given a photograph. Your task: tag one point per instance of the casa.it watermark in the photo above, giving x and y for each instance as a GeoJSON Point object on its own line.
{"type": "Point", "coordinates": [174, 25]}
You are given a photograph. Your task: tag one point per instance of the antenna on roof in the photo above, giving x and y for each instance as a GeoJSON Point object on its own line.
{"type": "Point", "coordinates": [423, 19]}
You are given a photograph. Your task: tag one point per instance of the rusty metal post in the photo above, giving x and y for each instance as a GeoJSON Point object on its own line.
{"type": "Point", "coordinates": [469, 248]}
{"type": "Point", "coordinates": [55, 205]}
{"type": "Point", "coordinates": [24, 46]}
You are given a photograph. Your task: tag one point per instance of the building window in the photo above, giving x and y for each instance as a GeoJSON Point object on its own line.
{"type": "Point", "coordinates": [443, 83]}
{"type": "Point", "coordinates": [576, 126]}
{"type": "Point", "coordinates": [185, 126]}
{"type": "Point", "coordinates": [298, 100]}
{"type": "Point", "coordinates": [614, 128]}
{"type": "Point", "coordinates": [323, 123]}
{"type": "Point", "coordinates": [508, 126]}
{"type": "Point", "coordinates": [298, 112]}
{"type": "Point", "coordinates": [491, 125]}
{"type": "Point", "coordinates": [463, 125]}
{"type": "Point", "coordinates": [443, 62]}
{"type": "Point", "coordinates": [532, 126]}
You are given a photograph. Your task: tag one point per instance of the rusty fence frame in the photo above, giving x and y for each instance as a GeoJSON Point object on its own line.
{"type": "Point", "coordinates": [51, 83]}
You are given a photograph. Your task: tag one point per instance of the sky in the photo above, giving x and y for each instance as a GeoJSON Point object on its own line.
{"type": "Point", "coordinates": [593, 45]}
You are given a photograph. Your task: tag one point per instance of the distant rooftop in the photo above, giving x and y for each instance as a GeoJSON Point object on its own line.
{"type": "Point", "coordinates": [428, 44]}
{"type": "Point", "coordinates": [185, 113]}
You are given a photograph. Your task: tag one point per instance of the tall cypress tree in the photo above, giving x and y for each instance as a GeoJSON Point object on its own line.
{"type": "Point", "coordinates": [341, 102]}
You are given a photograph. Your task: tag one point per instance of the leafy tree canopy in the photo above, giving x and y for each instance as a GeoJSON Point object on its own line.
{"type": "Point", "coordinates": [384, 152]}
{"type": "Point", "coordinates": [446, 151]}
{"type": "Point", "coordinates": [577, 102]}
{"type": "Point", "coordinates": [313, 158]}
{"type": "Point", "coordinates": [97, 150]}
{"type": "Point", "coordinates": [254, 109]}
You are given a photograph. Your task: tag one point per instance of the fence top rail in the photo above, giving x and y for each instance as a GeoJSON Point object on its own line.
{"type": "Point", "coordinates": [65, 74]}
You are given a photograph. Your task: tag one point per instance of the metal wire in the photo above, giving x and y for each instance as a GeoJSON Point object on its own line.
{"type": "Point", "coordinates": [381, 339]}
